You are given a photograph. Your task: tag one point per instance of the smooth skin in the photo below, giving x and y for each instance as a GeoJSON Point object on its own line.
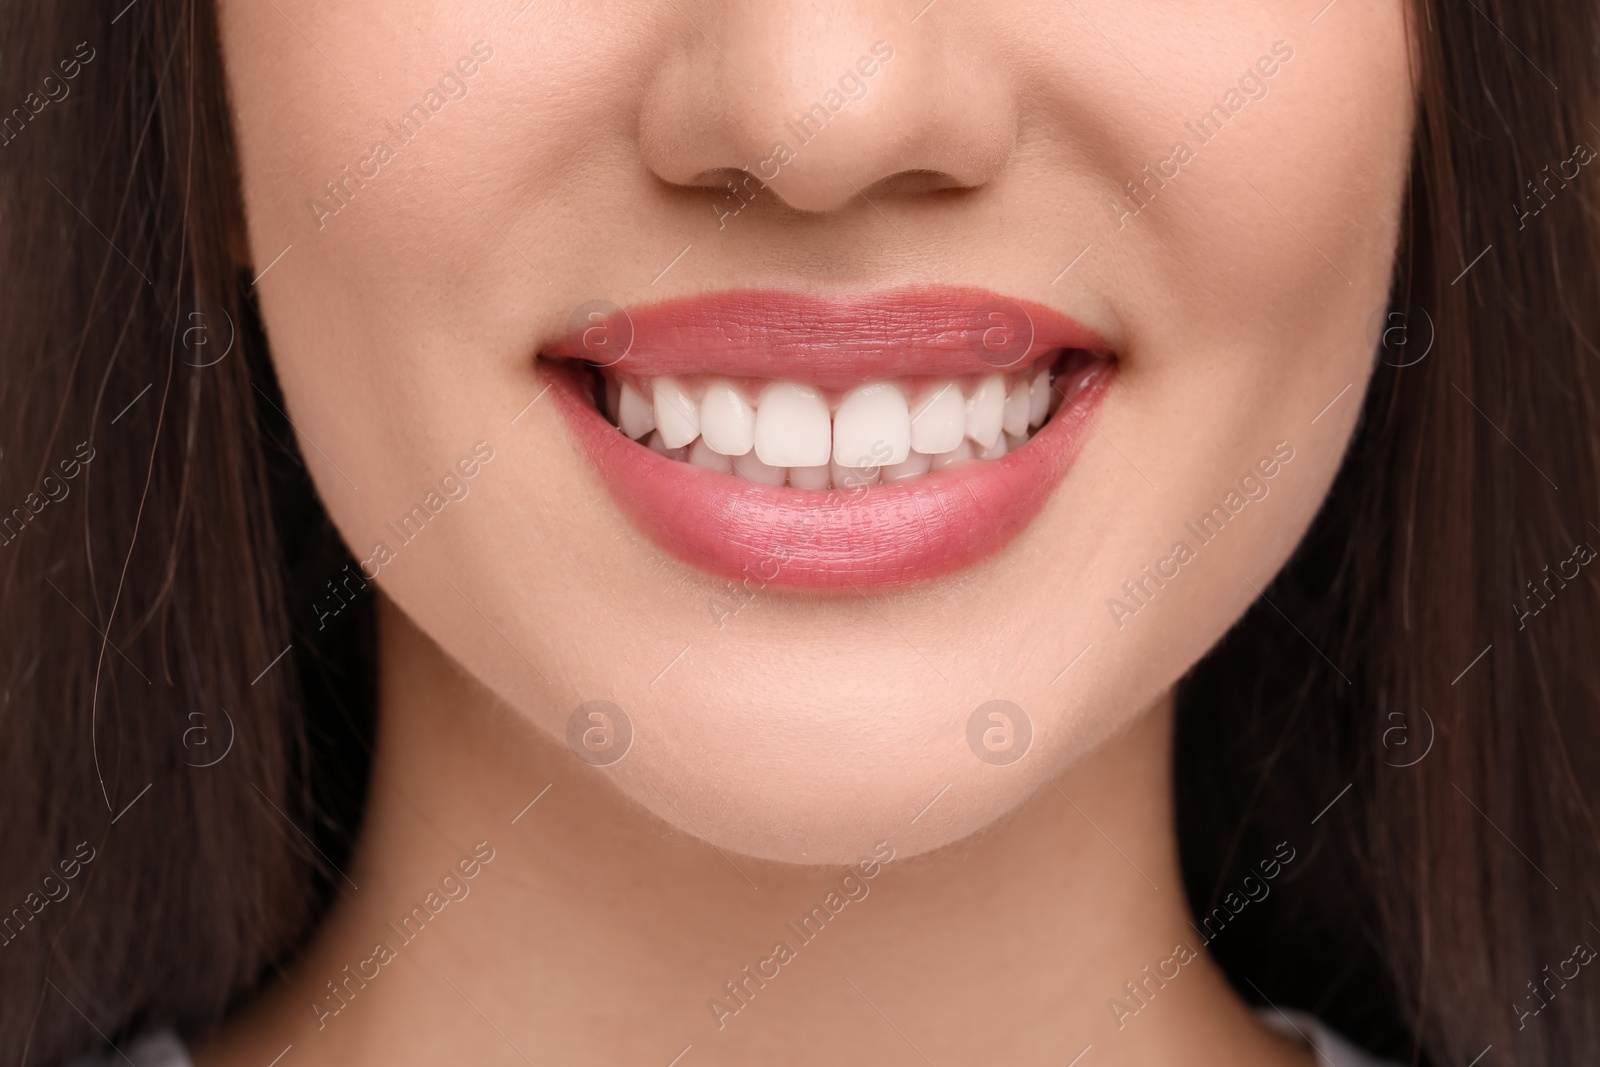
{"type": "Point", "coordinates": [777, 748]}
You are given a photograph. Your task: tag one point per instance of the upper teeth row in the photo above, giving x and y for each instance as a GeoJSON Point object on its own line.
{"type": "Point", "coordinates": [791, 424]}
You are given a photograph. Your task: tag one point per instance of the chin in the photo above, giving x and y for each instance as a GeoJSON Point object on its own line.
{"type": "Point", "coordinates": [823, 779]}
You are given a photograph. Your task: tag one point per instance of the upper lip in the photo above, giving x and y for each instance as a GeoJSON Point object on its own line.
{"type": "Point", "coordinates": [942, 331]}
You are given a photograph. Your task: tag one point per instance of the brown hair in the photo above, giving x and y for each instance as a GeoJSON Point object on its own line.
{"type": "Point", "coordinates": [156, 600]}
{"type": "Point", "coordinates": [1429, 646]}
{"type": "Point", "coordinates": [146, 597]}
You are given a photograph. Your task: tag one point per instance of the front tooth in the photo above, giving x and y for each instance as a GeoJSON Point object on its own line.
{"type": "Point", "coordinates": [1014, 417]}
{"type": "Point", "coordinates": [962, 453]}
{"type": "Point", "coordinates": [872, 427]}
{"type": "Point", "coordinates": [1015, 441]}
{"type": "Point", "coordinates": [939, 421]}
{"type": "Point", "coordinates": [916, 463]}
{"type": "Point", "coordinates": [793, 426]}
{"type": "Point", "coordinates": [702, 455]}
{"type": "Point", "coordinates": [1039, 398]}
{"type": "Point", "coordinates": [677, 415]}
{"type": "Point", "coordinates": [994, 451]}
{"type": "Point", "coordinates": [613, 396]}
{"type": "Point", "coordinates": [985, 409]}
{"type": "Point", "coordinates": [848, 478]}
{"type": "Point", "coordinates": [656, 444]}
{"type": "Point", "coordinates": [809, 477]}
{"type": "Point", "coordinates": [635, 415]}
{"type": "Point", "coordinates": [727, 421]}
{"type": "Point", "coordinates": [752, 469]}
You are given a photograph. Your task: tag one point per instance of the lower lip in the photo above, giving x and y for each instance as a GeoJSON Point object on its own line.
{"type": "Point", "coordinates": [872, 538]}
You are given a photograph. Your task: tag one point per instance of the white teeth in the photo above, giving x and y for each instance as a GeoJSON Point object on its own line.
{"type": "Point", "coordinates": [752, 469]}
{"type": "Point", "coordinates": [915, 464]}
{"type": "Point", "coordinates": [809, 477]}
{"type": "Point", "coordinates": [727, 421]}
{"type": "Point", "coordinates": [656, 444]}
{"type": "Point", "coordinates": [793, 426]}
{"type": "Point", "coordinates": [702, 455]}
{"type": "Point", "coordinates": [1014, 416]}
{"type": "Point", "coordinates": [1039, 398]}
{"type": "Point", "coordinates": [635, 415]}
{"type": "Point", "coordinates": [962, 453]}
{"type": "Point", "coordinates": [613, 397]}
{"type": "Point", "coordinates": [994, 451]}
{"type": "Point", "coordinates": [854, 477]}
{"type": "Point", "coordinates": [872, 427]}
{"type": "Point", "coordinates": [871, 436]}
{"type": "Point", "coordinates": [677, 415]}
{"type": "Point", "coordinates": [939, 421]}
{"type": "Point", "coordinates": [985, 408]}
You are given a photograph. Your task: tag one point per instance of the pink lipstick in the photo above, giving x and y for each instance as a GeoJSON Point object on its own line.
{"type": "Point", "coordinates": [813, 443]}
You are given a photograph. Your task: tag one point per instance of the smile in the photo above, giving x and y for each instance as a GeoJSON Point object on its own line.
{"type": "Point", "coordinates": [813, 443]}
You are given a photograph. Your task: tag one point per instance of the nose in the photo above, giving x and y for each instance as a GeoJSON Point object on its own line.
{"type": "Point", "coordinates": [823, 103]}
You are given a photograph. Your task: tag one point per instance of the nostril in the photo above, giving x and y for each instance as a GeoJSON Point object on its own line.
{"type": "Point", "coordinates": [734, 180]}
{"type": "Point", "coordinates": [917, 183]}
{"type": "Point", "coordinates": [732, 189]}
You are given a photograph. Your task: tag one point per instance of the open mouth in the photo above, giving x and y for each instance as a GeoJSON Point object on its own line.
{"type": "Point", "coordinates": [805, 437]}
{"type": "Point", "coordinates": [793, 441]}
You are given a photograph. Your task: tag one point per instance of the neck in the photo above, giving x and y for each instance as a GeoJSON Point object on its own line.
{"type": "Point", "coordinates": [588, 932]}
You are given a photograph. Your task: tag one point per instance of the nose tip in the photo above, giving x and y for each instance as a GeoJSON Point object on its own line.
{"type": "Point", "coordinates": [838, 113]}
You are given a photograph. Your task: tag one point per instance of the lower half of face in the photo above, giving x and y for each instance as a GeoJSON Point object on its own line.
{"type": "Point", "coordinates": [804, 415]}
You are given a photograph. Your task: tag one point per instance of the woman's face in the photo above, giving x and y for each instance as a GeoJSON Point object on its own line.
{"type": "Point", "coordinates": [1183, 217]}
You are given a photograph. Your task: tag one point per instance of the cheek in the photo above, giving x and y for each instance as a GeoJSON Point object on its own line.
{"type": "Point", "coordinates": [1283, 224]}
{"type": "Point", "coordinates": [1249, 281]}
{"type": "Point", "coordinates": [366, 254]}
